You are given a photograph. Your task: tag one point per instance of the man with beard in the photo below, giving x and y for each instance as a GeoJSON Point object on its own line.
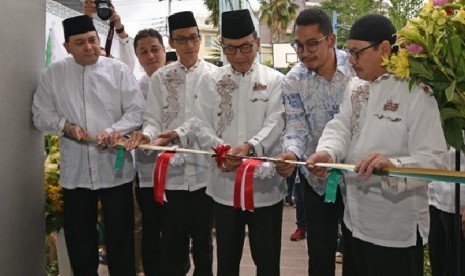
{"type": "Point", "coordinates": [313, 91]}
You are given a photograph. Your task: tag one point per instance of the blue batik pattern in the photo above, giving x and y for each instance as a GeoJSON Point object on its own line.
{"type": "Point", "coordinates": [310, 102]}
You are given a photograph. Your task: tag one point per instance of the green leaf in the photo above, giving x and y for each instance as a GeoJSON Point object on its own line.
{"type": "Point", "coordinates": [420, 69]}
{"type": "Point", "coordinates": [453, 132]}
{"type": "Point", "coordinates": [450, 90]}
{"type": "Point", "coordinates": [53, 175]}
{"type": "Point", "coordinates": [448, 113]}
{"type": "Point", "coordinates": [456, 45]}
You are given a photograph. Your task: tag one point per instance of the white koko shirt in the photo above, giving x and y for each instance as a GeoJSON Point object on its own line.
{"type": "Point", "coordinates": [384, 116]}
{"type": "Point", "coordinates": [234, 108]}
{"type": "Point", "coordinates": [171, 99]}
{"type": "Point", "coordinates": [102, 96]}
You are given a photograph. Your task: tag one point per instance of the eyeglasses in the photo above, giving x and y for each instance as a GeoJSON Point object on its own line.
{"type": "Point", "coordinates": [183, 39]}
{"type": "Point", "coordinates": [244, 48]}
{"type": "Point", "coordinates": [356, 53]}
{"type": "Point", "coordinates": [311, 45]}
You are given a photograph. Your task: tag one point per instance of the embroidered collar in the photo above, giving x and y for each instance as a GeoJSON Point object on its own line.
{"type": "Point", "coordinates": [192, 69]}
{"type": "Point", "coordinates": [383, 77]}
{"type": "Point", "coordinates": [246, 73]}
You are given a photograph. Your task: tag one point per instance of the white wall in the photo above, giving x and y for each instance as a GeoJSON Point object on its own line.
{"type": "Point", "coordinates": [22, 249]}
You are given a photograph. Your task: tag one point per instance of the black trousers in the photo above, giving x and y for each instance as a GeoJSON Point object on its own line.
{"type": "Point", "coordinates": [151, 230]}
{"type": "Point", "coordinates": [367, 259]}
{"type": "Point", "coordinates": [443, 244]}
{"type": "Point", "coordinates": [187, 215]}
{"type": "Point", "coordinates": [80, 221]}
{"type": "Point", "coordinates": [321, 220]}
{"type": "Point", "coordinates": [264, 228]}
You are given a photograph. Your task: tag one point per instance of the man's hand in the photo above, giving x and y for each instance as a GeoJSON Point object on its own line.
{"type": "Point", "coordinates": [116, 19]}
{"type": "Point", "coordinates": [74, 131]}
{"type": "Point", "coordinates": [372, 161]}
{"type": "Point", "coordinates": [105, 139]}
{"type": "Point", "coordinates": [137, 138]}
{"type": "Point", "coordinates": [285, 169]}
{"type": "Point", "coordinates": [234, 158]}
{"type": "Point", "coordinates": [319, 157]}
{"type": "Point", "coordinates": [164, 138]}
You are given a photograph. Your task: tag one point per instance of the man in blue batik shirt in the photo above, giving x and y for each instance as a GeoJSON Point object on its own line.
{"type": "Point", "coordinates": [313, 91]}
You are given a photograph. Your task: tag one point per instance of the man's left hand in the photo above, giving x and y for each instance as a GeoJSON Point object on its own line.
{"type": "Point", "coordinates": [372, 161]}
{"type": "Point", "coordinates": [105, 139]}
{"type": "Point", "coordinates": [234, 157]}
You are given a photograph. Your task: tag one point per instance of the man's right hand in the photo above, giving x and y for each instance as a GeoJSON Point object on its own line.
{"type": "Point", "coordinates": [319, 157]}
{"type": "Point", "coordinates": [137, 138]}
{"type": "Point", "coordinates": [74, 131]}
{"type": "Point", "coordinates": [166, 137]}
{"type": "Point", "coordinates": [283, 168]}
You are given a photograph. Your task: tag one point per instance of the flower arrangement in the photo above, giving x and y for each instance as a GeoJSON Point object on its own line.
{"type": "Point", "coordinates": [53, 190]}
{"type": "Point", "coordinates": [432, 51]}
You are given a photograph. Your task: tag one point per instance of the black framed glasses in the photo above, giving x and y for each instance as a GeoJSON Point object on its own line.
{"type": "Point", "coordinates": [183, 39]}
{"type": "Point", "coordinates": [311, 45]}
{"type": "Point", "coordinates": [356, 53]}
{"type": "Point", "coordinates": [244, 48]}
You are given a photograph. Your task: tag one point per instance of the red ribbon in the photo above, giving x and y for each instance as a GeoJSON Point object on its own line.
{"type": "Point", "coordinates": [220, 153]}
{"type": "Point", "coordinates": [243, 185]}
{"type": "Point", "coordinates": [160, 171]}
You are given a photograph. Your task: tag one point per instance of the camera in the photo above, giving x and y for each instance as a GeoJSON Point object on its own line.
{"type": "Point", "coordinates": [103, 9]}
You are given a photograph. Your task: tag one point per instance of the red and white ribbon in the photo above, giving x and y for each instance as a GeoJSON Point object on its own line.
{"type": "Point", "coordinates": [160, 171]}
{"type": "Point", "coordinates": [243, 187]}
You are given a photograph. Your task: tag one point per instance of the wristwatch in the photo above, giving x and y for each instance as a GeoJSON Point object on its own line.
{"type": "Point", "coordinates": [251, 151]}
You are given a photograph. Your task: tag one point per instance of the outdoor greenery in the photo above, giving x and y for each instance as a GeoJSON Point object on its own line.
{"type": "Point", "coordinates": [432, 52]}
{"type": "Point", "coordinates": [278, 14]}
{"type": "Point", "coordinates": [403, 10]}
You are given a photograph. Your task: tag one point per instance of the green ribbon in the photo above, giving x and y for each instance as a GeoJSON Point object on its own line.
{"type": "Point", "coordinates": [331, 185]}
{"type": "Point", "coordinates": [120, 154]}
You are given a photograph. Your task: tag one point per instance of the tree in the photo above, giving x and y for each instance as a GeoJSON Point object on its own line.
{"type": "Point", "coordinates": [402, 10]}
{"type": "Point", "coordinates": [278, 14]}
{"type": "Point", "coordinates": [213, 6]}
{"type": "Point", "coordinates": [348, 11]}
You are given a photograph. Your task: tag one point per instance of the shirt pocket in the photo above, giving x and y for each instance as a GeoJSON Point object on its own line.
{"type": "Point", "coordinates": [259, 96]}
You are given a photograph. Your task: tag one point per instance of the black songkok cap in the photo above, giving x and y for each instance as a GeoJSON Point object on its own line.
{"type": "Point", "coordinates": [374, 28]}
{"type": "Point", "coordinates": [77, 25]}
{"type": "Point", "coordinates": [171, 56]}
{"type": "Point", "coordinates": [181, 20]}
{"type": "Point", "coordinates": [236, 24]}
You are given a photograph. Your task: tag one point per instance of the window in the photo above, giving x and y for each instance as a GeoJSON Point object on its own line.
{"type": "Point", "coordinates": [209, 41]}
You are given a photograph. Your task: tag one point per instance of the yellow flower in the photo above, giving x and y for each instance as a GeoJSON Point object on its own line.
{"type": "Point", "coordinates": [398, 64]}
{"type": "Point", "coordinates": [459, 16]}
{"type": "Point", "coordinates": [427, 8]}
{"type": "Point", "coordinates": [51, 168]}
{"type": "Point", "coordinates": [55, 157]}
{"type": "Point", "coordinates": [440, 15]}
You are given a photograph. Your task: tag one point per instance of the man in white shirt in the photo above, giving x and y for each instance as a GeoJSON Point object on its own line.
{"type": "Point", "coordinates": [312, 92]}
{"type": "Point", "coordinates": [187, 212]}
{"type": "Point", "coordinates": [88, 95]}
{"type": "Point", "coordinates": [240, 104]}
{"type": "Point", "coordinates": [150, 52]}
{"type": "Point", "coordinates": [382, 124]}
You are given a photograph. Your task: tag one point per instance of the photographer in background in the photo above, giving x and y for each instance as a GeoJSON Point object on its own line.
{"type": "Point", "coordinates": [126, 54]}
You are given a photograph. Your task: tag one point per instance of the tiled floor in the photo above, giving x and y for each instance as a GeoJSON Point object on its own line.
{"type": "Point", "coordinates": [293, 254]}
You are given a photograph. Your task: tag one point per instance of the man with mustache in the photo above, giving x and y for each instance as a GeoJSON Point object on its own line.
{"type": "Point", "coordinates": [312, 92]}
